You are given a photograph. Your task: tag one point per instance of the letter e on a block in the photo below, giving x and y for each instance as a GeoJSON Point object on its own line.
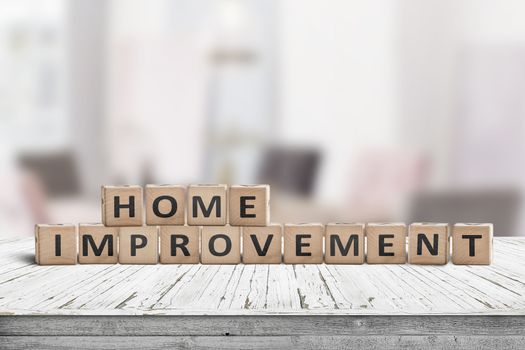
{"type": "Point", "coordinates": [303, 243]}
{"type": "Point", "coordinates": [386, 243]}
{"type": "Point", "coordinates": [249, 205]}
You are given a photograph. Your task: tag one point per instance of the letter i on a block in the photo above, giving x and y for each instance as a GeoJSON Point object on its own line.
{"type": "Point", "coordinates": [249, 205]}
{"type": "Point", "coordinates": [386, 243]}
{"type": "Point", "coordinates": [472, 244]}
{"type": "Point", "coordinates": [179, 244]}
{"type": "Point", "coordinates": [138, 245]}
{"type": "Point", "coordinates": [303, 243]}
{"type": "Point", "coordinates": [122, 205]}
{"type": "Point", "coordinates": [428, 243]}
{"type": "Point", "coordinates": [221, 245]}
{"type": "Point", "coordinates": [345, 243]}
{"type": "Point", "coordinates": [207, 205]}
{"type": "Point", "coordinates": [56, 244]}
{"type": "Point", "coordinates": [97, 244]}
{"type": "Point", "coordinates": [262, 244]}
{"type": "Point", "coordinates": [165, 204]}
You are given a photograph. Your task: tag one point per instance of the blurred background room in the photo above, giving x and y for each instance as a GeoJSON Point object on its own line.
{"type": "Point", "coordinates": [398, 110]}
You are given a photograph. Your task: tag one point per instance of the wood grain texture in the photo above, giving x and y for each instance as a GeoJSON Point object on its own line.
{"type": "Point", "coordinates": [180, 234]}
{"type": "Point", "coordinates": [349, 236]}
{"type": "Point", "coordinates": [56, 244]}
{"type": "Point", "coordinates": [386, 243]}
{"type": "Point", "coordinates": [124, 196]}
{"type": "Point", "coordinates": [207, 197]}
{"type": "Point", "coordinates": [220, 244]}
{"type": "Point", "coordinates": [103, 238]}
{"type": "Point", "coordinates": [303, 243]}
{"type": "Point", "coordinates": [167, 200]}
{"type": "Point", "coordinates": [29, 289]}
{"type": "Point", "coordinates": [476, 250]}
{"type": "Point", "coordinates": [436, 235]}
{"type": "Point", "coordinates": [271, 342]}
{"type": "Point", "coordinates": [138, 245]}
{"type": "Point", "coordinates": [249, 205]}
{"type": "Point", "coordinates": [262, 244]}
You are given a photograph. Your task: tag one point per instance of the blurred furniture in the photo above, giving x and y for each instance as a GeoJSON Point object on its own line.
{"type": "Point", "coordinates": [57, 171]}
{"type": "Point", "coordinates": [382, 182]}
{"type": "Point", "coordinates": [262, 306]}
{"type": "Point", "coordinates": [501, 207]}
{"type": "Point", "coordinates": [290, 170]}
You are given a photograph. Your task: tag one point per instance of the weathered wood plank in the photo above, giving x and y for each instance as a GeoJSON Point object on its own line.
{"type": "Point", "coordinates": [260, 325]}
{"type": "Point", "coordinates": [26, 289]}
{"type": "Point", "coordinates": [270, 342]}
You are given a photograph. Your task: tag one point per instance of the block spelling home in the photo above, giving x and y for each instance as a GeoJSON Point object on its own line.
{"type": "Point", "coordinates": [217, 224]}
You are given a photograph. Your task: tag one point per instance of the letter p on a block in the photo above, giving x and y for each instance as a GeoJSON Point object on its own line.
{"type": "Point", "coordinates": [122, 205]}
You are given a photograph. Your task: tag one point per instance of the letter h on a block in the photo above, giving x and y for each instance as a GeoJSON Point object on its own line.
{"type": "Point", "coordinates": [122, 205]}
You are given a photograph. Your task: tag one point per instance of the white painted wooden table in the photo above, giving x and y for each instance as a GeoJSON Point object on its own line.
{"type": "Point", "coordinates": [262, 306]}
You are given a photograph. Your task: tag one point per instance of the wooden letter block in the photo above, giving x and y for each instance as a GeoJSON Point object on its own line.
{"type": "Point", "coordinates": [262, 244]}
{"type": "Point", "coordinates": [303, 243]}
{"type": "Point", "coordinates": [207, 205]}
{"type": "Point", "coordinates": [428, 244]}
{"type": "Point", "coordinates": [97, 244]}
{"type": "Point", "coordinates": [386, 243]}
{"type": "Point", "coordinates": [122, 205]}
{"type": "Point", "coordinates": [345, 243]}
{"type": "Point", "coordinates": [249, 205]}
{"type": "Point", "coordinates": [179, 244]}
{"type": "Point", "coordinates": [472, 244]}
{"type": "Point", "coordinates": [138, 245]}
{"type": "Point", "coordinates": [221, 245]}
{"type": "Point", "coordinates": [56, 244]}
{"type": "Point", "coordinates": [165, 205]}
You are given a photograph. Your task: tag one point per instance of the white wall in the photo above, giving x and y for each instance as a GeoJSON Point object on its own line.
{"type": "Point", "coordinates": [338, 87]}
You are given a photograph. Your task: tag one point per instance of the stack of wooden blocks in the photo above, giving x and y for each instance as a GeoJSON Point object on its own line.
{"type": "Point", "coordinates": [210, 223]}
